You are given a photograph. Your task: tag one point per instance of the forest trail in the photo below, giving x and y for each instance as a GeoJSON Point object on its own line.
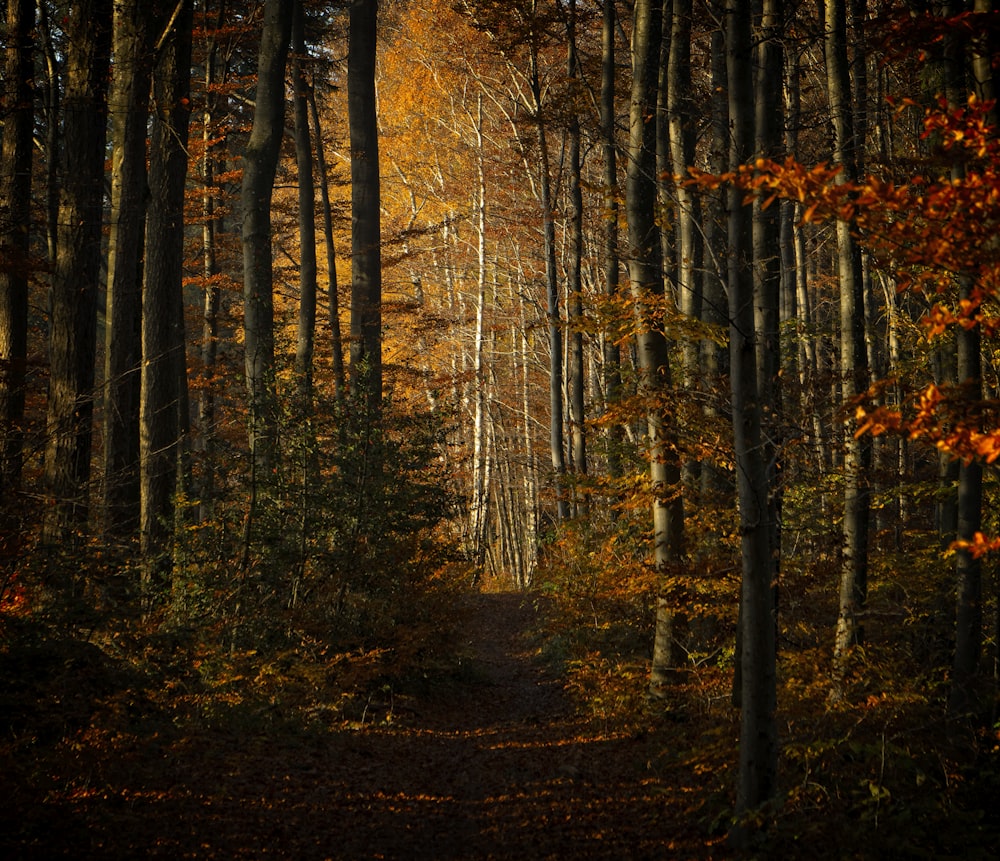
{"type": "Point", "coordinates": [491, 763]}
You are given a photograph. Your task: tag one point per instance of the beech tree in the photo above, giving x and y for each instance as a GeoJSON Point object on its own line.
{"type": "Point", "coordinates": [366, 259]}
{"type": "Point", "coordinates": [77, 274]}
{"type": "Point", "coordinates": [15, 235]}
{"type": "Point", "coordinates": [164, 412]}
{"type": "Point", "coordinates": [260, 162]}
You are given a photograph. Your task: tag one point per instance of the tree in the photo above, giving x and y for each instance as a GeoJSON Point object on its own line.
{"type": "Point", "coordinates": [76, 279]}
{"type": "Point", "coordinates": [758, 729]}
{"type": "Point", "coordinates": [133, 39]}
{"type": "Point", "coordinates": [307, 211]}
{"type": "Point", "coordinates": [163, 418]}
{"type": "Point", "coordinates": [260, 162]}
{"type": "Point", "coordinates": [366, 258]}
{"type": "Point", "coordinates": [853, 355]}
{"type": "Point", "coordinates": [15, 235]}
{"type": "Point", "coordinates": [646, 282]}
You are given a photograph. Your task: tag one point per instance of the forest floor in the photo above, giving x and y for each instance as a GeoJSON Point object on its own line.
{"type": "Point", "coordinates": [486, 759]}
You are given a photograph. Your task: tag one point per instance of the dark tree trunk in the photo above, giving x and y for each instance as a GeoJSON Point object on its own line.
{"type": "Point", "coordinates": [307, 214]}
{"type": "Point", "coordinates": [758, 729]}
{"type": "Point", "coordinates": [646, 277]}
{"type": "Point", "coordinates": [366, 238]}
{"type": "Point", "coordinates": [260, 162]}
{"type": "Point", "coordinates": [15, 224]}
{"type": "Point", "coordinates": [135, 23]}
{"type": "Point", "coordinates": [612, 264]}
{"type": "Point", "coordinates": [164, 366]}
{"type": "Point", "coordinates": [77, 275]}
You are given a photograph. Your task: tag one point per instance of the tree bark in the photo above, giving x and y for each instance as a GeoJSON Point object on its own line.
{"type": "Point", "coordinates": [75, 282]}
{"type": "Point", "coordinates": [336, 340]}
{"type": "Point", "coordinates": [164, 365]}
{"type": "Point", "coordinates": [259, 167]}
{"type": "Point", "coordinates": [366, 267]}
{"type": "Point", "coordinates": [129, 108]}
{"type": "Point", "coordinates": [853, 354]}
{"type": "Point", "coordinates": [574, 286]}
{"type": "Point", "coordinates": [646, 278]}
{"type": "Point", "coordinates": [612, 263]}
{"type": "Point", "coordinates": [758, 729]}
{"type": "Point", "coordinates": [307, 214]}
{"type": "Point", "coordinates": [15, 235]}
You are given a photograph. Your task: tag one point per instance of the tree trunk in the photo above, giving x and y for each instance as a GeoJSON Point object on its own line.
{"type": "Point", "coordinates": [212, 298]}
{"type": "Point", "coordinates": [556, 443]}
{"type": "Point", "coordinates": [75, 282]}
{"type": "Point", "coordinates": [768, 131]}
{"type": "Point", "coordinates": [853, 355]}
{"type": "Point", "coordinates": [307, 214]}
{"type": "Point", "coordinates": [15, 236]}
{"type": "Point", "coordinates": [758, 729]}
{"type": "Point", "coordinates": [135, 23]}
{"type": "Point", "coordinates": [612, 267]}
{"type": "Point", "coordinates": [259, 166]}
{"type": "Point", "coordinates": [574, 287]}
{"type": "Point", "coordinates": [336, 341]}
{"type": "Point", "coordinates": [164, 365]}
{"type": "Point", "coordinates": [646, 277]}
{"type": "Point", "coordinates": [366, 267]}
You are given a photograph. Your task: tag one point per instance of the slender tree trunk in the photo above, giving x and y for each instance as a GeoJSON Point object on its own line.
{"type": "Point", "coordinates": [612, 266]}
{"type": "Point", "coordinates": [758, 728]}
{"type": "Point", "coordinates": [646, 277]}
{"type": "Point", "coordinates": [15, 236]}
{"type": "Point", "coordinates": [968, 568]}
{"type": "Point", "coordinates": [259, 167]}
{"type": "Point", "coordinates": [164, 365]}
{"type": "Point", "coordinates": [768, 131]}
{"type": "Point", "coordinates": [366, 268]}
{"type": "Point", "coordinates": [52, 100]}
{"type": "Point", "coordinates": [853, 355]}
{"type": "Point", "coordinates": [556, 444]}
{"type": "Point", "coordinates": [129, 108]}
{"type": "Point", "coordinates": [307, 214]}
{"type": "Point", "coordinates": [212, 225]}
{"type": "Point", "coordinates": [76, 280]}
{"type": "Point", "coordinates": [574, 288]}
{"type": "Point", "coordinates": [336, 340]}
{"type": "Point", "coordinates": [479, 506]}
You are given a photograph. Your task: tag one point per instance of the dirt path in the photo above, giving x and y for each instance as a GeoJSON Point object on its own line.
{"type": "Point", "coordinates": [496, 765]}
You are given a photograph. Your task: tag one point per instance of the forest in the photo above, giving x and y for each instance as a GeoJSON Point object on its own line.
{"type": "Point", "coordinates": [499, 429]}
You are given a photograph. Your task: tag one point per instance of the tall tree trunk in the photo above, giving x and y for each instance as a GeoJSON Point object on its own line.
{"type": "Point", "coordinates": [853, 354]}
{"type": "Point", "coordinates": [758, 728]}
{"type": "Point", "coordinates": [968, 568]}
{"type": "Point", "coordinates": [336, 341]}
{"type": "Point", "coordinates": [768, 132]}
{"type": "Point", "coordinates": [556, 442]}
{"type": "Point", "coordinates": [76, 280]}
{"type": "Point", "coordinates": [129, 108]}
{"type": "Point", "coordinates": [51, 99]}
{"type": "Point", "coordinates": [307, 214]}
{"type": "Point", "coordinates": [15, 236]}
{"type": "Point", "coordinates": [366, 266]}
{"type": "Point", "coordinates": [646, 277]}
{"type": "Point", "coordinates": [164, 365]}
{"type": "Point", "coordinates": [574, 288]}
{"type": "Point", "coordinates": [479, 504]}
{"type": "Point", "coordinates": [260, 163]}
{"type": "Point", "coordinates": [682, 128]}
{"type": "Point", "coordinates": [212, 298]}
{"type": "Point", "coordinates": [612, 264]}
